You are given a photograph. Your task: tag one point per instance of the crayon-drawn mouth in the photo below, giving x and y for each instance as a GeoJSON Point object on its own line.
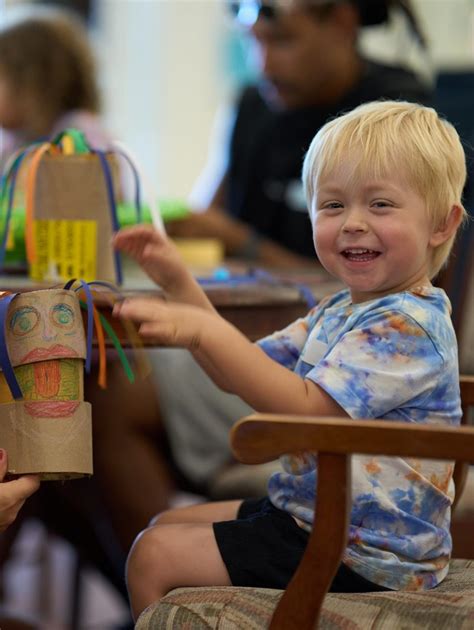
{"type": "Point", "coordinates": [52, 408]}
{"type": "Point", "coordinates": [57, 351]}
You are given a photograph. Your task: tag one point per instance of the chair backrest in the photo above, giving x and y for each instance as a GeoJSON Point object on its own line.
{"type": "Point", "coordinates": [262, 437]}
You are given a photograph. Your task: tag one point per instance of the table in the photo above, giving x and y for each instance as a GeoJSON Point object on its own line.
{"type": "Point", "coordinates": [257, 307]}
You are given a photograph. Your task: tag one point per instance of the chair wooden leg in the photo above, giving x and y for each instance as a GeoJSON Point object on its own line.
{"type": "Point", "coordinates": [300, 605]}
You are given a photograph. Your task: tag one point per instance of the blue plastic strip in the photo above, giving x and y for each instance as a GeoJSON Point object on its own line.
{"type": "Point", "coordinates": [107, 285]}
{"type": "Point", "coordinates": [222, 276]}
{"type": "Point", "coordinates": [4, 358]}
{"type": "Point", "coordinates": [113, 208]}
{"type": "Point", "coordinates": [90, 318]}
{"type": "Point", "coordinates": [13, 172]}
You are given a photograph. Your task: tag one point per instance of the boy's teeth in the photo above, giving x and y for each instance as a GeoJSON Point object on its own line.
{"type": "Point", "coordinates": [360, 254]}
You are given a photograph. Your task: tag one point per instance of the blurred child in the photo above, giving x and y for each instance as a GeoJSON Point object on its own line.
{"type": "Point", "coordinates": [383, 185]}
{"type": "Point", "coordinates": [47, 82]}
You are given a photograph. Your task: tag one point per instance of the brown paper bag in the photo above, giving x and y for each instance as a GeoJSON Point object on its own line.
{"type": "Point", "coordinates": [72, 220]}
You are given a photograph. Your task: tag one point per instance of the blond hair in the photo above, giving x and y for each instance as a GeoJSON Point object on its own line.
{"type": "Point", "coordinates": [48, 62]}
{"type": "Point", "coordinates": [384, 137]}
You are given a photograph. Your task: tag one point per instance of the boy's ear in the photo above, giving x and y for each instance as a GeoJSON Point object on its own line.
{"type": "Point", "coordinates": [448, 228]}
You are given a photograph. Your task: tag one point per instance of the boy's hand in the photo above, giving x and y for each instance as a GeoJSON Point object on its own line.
{"type": "Point", "coordinates": [167, 324]}
{"type": "Point", "coordinates": [13, 493]}
{"type": "Point", "coordinates": [155, 253]}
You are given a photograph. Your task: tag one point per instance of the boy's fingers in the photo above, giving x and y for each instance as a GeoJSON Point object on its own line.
{"type": "Point", "coordinates": [140, 309]}
{"type": "Point", "coordinates": [3, 463]}
{"type": "Point", "coordinates": [133, 233]}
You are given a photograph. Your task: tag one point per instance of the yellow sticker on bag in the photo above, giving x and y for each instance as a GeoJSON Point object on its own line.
{"type": "Point", "coordinates": [65, 249]}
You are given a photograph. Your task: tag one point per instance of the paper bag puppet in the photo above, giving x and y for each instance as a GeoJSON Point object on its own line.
{"type": "Point", "coordinates": [45, 425]}
{"type": "Point", "coordinates": [69, 192]}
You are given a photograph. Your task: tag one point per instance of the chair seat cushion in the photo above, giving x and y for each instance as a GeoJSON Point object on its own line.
{"type": "Point", "coordinates": [450, 605]}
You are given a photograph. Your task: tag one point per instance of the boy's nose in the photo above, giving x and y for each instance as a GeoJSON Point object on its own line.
{"type": "Point", "coordinates": [355, 222]}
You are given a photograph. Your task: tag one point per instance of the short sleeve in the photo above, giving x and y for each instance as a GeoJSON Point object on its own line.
{"type": "Point", "coordinates": [285, 346]}
{"type": "Point", "coordinates": [380, 365]}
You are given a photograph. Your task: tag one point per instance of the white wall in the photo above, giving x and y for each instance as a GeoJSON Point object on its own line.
{"type": "Point", "coordinates": [162, 82]}
{"type": "Point", "coordinates": [162, 72]}
{"type": "Point", "coordinates": [448, 26]}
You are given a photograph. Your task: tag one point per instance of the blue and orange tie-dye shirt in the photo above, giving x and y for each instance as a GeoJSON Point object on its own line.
{"type": "Point", "coordinates": [393, 358]}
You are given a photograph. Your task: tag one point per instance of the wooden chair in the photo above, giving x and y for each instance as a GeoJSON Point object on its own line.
{"type": "Point", "coordinates": [305, 604]}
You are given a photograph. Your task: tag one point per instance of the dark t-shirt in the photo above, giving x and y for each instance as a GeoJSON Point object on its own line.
{"type": "Point", "coordinates": [268, 147]}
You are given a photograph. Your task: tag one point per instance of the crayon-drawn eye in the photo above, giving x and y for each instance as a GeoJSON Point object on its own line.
{"type": "Point", "coordinates": [62, 316]}
{"type": "Point", "coordinates": [24, 320]}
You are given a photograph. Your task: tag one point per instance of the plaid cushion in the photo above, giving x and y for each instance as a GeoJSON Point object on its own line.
{"type": "Point", "coordinates": [450, 605]}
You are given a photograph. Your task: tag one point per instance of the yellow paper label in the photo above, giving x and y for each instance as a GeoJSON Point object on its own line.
{"type": "Point", "coordinates": [64, 249]}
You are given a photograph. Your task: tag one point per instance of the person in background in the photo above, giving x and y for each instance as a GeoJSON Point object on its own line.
{"type": "Point", "coordinates": [383, 185]}
{"type": "Point", "coordinates": [311, 70]}
{"type": "Point", "coordinates": [47, 82]}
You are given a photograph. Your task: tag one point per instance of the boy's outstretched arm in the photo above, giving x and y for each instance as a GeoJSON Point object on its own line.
{"type": "Point", "coordinates": [159, 258]}
{"type": "Point", "coordinates": [229, 358]}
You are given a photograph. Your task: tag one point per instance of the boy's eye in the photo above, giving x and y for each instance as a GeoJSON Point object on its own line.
{"type": "Point", "coordinates": [381, 203]}
{"type": "Point", "coordinates": [331, 205]}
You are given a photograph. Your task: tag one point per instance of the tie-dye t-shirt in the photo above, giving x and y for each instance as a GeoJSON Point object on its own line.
{"type": "Point", "coordinates": [393, 358]}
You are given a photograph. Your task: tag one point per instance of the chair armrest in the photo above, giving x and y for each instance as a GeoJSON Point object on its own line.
{"type": "Point", "coordinates": [262, 437]}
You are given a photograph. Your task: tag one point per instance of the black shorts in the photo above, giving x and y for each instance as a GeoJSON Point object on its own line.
{"type": "Point", "coordinates": [264, 545]}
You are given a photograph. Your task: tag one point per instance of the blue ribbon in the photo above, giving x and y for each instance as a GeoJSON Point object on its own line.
{"type": "Point", "coordinates": [4, 358]}
{"type": "Point", "coordinates": [12, 173]}
{"type": "Point", "coordinates": [90, 318]}
{"type": "Point", "coordinates": [113, 208]}
{"type": "Point", "coordinates": [253, 277]}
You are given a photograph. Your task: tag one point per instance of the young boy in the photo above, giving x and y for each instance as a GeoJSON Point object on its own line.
{"type": "Point", "coordinates": [383, 186]}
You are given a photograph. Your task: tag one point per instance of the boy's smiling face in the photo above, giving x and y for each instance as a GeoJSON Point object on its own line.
{"type": "Point", "coordinates": [375, 235]}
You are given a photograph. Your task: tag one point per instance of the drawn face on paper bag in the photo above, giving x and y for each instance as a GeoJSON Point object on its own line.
{"type": "Point", "coordinates": [45, 325]}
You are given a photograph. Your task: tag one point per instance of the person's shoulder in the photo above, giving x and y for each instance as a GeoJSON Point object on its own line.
{"type": "Point", "coordinates": [414, 302]}
{"type": "Point", "coordinates": [423, 311]}
{"type": "Point", "coordinates": [393, 82]}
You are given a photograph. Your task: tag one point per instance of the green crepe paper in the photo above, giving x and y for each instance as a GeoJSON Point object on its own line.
{"type": "Point", "coordinates": [78, 138]}
{"type": "Point", "coordinates": [115, 340]}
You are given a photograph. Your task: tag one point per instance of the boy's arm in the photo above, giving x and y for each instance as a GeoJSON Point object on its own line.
{"type": "Point", "coordinates": [160, 259]}
{"type": "Point", "coordinates": [229, 358]}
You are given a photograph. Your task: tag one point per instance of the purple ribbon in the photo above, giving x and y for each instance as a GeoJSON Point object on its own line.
{"type": "Point", "coordinates": [5, 362]}
{"type": "Point", "coordinates": [90, 318]}
{"type": "Point", "coordinates": [113, 208]}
